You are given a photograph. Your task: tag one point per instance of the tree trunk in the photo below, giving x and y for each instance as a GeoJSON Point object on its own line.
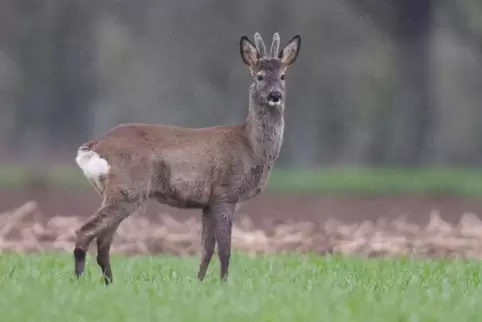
{"type": "Point", "coordinates": [54, 57]}
{"type": "Point", "coordinates": [74, 77]}
{"type": "Point", "coordinates": [32, 50]}
{"type": "Point", "coordinates": [411, 124]}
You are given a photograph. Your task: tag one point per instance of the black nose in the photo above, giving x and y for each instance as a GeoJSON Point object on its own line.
{"type": "Point", "coordinates": [274, 96]}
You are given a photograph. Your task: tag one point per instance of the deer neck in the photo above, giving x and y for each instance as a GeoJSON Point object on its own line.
{"type": "Point", "coordinates": [264, 130]}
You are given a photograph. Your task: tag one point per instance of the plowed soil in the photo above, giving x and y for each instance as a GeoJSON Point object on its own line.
{"type": "Point", "coordinates": [389, 226]}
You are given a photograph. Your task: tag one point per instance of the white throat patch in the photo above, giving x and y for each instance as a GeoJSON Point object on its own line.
{"type": "Point", "coordinates": [273, 103]}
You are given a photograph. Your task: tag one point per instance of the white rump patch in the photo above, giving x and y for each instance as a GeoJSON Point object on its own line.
{"type": "Point", "coordinates": [93, 165]}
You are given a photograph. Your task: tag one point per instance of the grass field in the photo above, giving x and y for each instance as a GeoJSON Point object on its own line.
{"type": "Point", "coordinates": [337, 181]}
{"type": "Point", "coordinates": [276, 288]}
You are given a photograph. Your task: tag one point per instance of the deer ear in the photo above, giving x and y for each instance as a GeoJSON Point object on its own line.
{"type": "Point", "coordinates": [289, 52]}
{"type": "Point", "coordinates": [249, 53]}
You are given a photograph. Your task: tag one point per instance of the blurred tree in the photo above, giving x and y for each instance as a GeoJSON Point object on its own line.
{"type": "Point", "coordinates": [30, 44]}
{"type": "Point", "coordinates": [409, 24]}
{"type": "Point", "coordinates": [50, 43]}
{"type": "Point", "coordinates": [464, 17]}
{"type": "Point", "coordinates": [72, 73]}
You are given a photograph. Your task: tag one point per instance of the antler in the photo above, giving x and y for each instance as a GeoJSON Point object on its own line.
{"type": "Point", "coordinates": [260, 45]}
{"type": "Point", "coordinates": [275, 46]}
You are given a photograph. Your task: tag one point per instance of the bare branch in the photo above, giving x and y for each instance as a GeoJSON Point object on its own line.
{"type": "Point", "coordinates": [459, 20]}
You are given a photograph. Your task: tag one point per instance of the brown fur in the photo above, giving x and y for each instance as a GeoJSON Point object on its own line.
{"type": "Point", "coordinates": [212, 169]}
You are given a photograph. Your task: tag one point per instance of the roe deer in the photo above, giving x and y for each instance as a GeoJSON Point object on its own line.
{"type": "Point", "coordinates": [213, 168]}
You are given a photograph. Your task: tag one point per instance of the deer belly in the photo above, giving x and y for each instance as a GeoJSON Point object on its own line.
{"type": "Point", "coordinates": [184, 195]}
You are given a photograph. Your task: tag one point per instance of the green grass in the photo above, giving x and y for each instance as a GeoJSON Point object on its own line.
{"type": "Point", "coordinates": [382, 181]}
{"type": "Point", "coordinates": [332, 181]}
{"type": "Point", "coordinates": [280, 288]}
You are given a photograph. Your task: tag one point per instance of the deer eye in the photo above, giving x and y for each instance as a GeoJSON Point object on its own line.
{"type": "Point", "coordinates": [259, 77]}
{"type": "Point", "coordinates": [283, 77]}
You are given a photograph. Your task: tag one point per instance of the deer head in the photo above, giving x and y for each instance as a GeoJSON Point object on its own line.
{"type": "Point", "coordinates": [268, 71]}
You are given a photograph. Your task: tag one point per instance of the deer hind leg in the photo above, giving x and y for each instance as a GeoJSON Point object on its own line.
{"type": "Point", "coordinates": [104, 242]}
{"type": "Point", "coordinates": [223, 214]}
{"type": "Point", "coordinates": [208, 241]}
{"type": "Point", "coordinates": [102, 224]}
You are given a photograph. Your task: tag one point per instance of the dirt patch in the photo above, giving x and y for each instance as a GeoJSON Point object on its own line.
{"type": "Point", "coordinates": [275, 208]}
{"type": "Point", "coordinates": [376, 227]}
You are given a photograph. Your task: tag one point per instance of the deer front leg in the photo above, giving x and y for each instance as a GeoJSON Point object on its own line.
{"type": "Point", "coordinates": [223, 214]}
{"type": "Point", "coordinates": [208, 241]}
